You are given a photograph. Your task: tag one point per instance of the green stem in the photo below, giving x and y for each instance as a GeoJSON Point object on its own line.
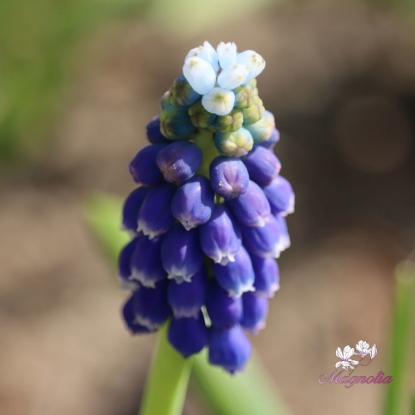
{"type": "Point", "coordinates": [398, 398]}
{"type": "Point", "coordinates": [166, 385]}
{"type": "Point", "coordinates": [204, 140]}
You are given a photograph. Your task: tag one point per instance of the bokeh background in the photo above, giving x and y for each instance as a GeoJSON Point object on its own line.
{"type": "Point", "coordinates": [79, 79]}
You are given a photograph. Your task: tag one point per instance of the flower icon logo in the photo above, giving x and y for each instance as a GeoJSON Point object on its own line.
{"type": "Point", "coordinates": [346, 362]}
{"type": "Point", "coordinates": [373, 352]}
{"type": "Point", "coordinates": [362, 350]}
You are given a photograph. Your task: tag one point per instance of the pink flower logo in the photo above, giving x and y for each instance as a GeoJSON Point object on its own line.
{"type": "Point", "coordinates": [362, 350]}
{"type": "Point", "coordinates": [373, 352]}
{"type": "Point", "coordinates": [345, 358]}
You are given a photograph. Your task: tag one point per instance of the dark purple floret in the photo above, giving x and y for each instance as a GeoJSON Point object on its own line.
{"type": "Point", "coordinates": [154, 216]}
{"type": "Point", "coordinates": [150, 307]}
{"type": "Point", "coordinates": [130, 320]}
{"type": "Point", "coordinates": [252, 207]}
{"type": "Point", "coordinates": [255, 311]}
{"type": "Point", "coordinates": [146, 262]}
{"type": "Point", "coordinates": [236, 277]}
{"type": "Point", "coordinates": [224, 311]}
{"type": "Point", "coordinates": [154, 134]}
{"type": "Point", "coordinates": [188, 335]}
{"type": "Point", "coordinates": [187, 298]}
{"type": "Point", "coordinates": [220, 237]}
{"type": "Point", "coordinates": [263, 241]}
{"type": "Point", "coordinates": [267, 275]}
{"type": "Point", "coordinates": [124, 260]}
{"type": "Point", "coordinates": [181, 254]}
{"type": "Point", "coordinates": [179, 161]}
{"type": "Point", "coordinates": [280, 196]}
{"type": "Point", "coordinates": [143, 166]}
{"type": "Point", "coordinates": [229, 348]}
{"type": "Point", "coordinates": [193, 202]}
{"type": "Point", "coordinates": [131, 208]}
{"type": "Point", "coordinates": [262, 165]}
{"type": "Point", "coordinates": [284, 241]}
{"type": "Point", "coordinates": [229, 177]}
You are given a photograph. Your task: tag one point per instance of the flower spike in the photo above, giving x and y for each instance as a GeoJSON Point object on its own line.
{"type": "Point", "coordinates": [208, 217]}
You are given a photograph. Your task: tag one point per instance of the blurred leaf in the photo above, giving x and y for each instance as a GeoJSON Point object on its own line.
{"type": "Point", "coordinates": [188, 17]}
{"type": "Point", "coordinates": [103, 215]}
{"type": "Point", "coordinates": [399, 6]}
{"type": "Point", "coordinates": [398, 397]}
{"type": "Point", "coordinates": [37, 41]}
{"type": "Point", "coordinates": [249, 393]}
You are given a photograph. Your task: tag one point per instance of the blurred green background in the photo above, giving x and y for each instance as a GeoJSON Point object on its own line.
{"type": "Point", "coordinates": [78, 82]}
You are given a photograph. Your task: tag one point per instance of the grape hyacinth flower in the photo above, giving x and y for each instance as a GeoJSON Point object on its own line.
{"type": "Point", "coordinates": [208, 218]}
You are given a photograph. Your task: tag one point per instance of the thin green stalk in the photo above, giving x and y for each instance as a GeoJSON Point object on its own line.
{"type": "Point", "coordinates": [166, 385]}
{"type": "Point", "coordinates": [398, 398]}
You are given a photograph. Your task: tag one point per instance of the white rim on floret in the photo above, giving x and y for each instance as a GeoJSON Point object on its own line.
{"type": "Point", "coordinates": [187, 313]}
{"type": "Point", "coordinates": [123, 284]}
{"type": "Point", "coordinates": [146, 322]}
{"type": "Point", "coordinates": [142, 278]}
{"type": "Point", "coordinates": [180, 275]}
{"type": "Point", "coordinates": [242, 289]}
{"type": "Point", "coordinates": [142, 227]}
{"type": "Point", "coordinates": [291, 206]}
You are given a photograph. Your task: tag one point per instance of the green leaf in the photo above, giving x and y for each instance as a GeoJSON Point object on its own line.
{"type": "Point", "coordinates": [103, 215]}
{"type": "Point", "coordinates": [38, 39]}
{"type": "Point", "coordinates": [188, 17]}
{"type": "Point", "coordinates": [398, 396]}
{"type": "Point", "coordinates": [250, 392]}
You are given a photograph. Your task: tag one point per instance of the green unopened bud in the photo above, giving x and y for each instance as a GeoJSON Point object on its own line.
{"type": "Point", "coordinates": [255, 92]}
{"type": "Point", "coordinates": [165, 100]}
{"type": "Point", "coordinates": [244, 97]}
{"type": "Point", "coordinates": [199, 116]}
{"type": "Point", "coordinates": [253, 113]}
{"type": "Point", "coordinates": [229, 123]}
{"type": "Point", "coordinates": [262, 129]}
{"type": "Point", "coordinates": [175, 123]}
{"type": "Point", "coordinates": [183, 93]}
{"type": "Point", "coordinates": [236, 144]}
{"type": "Point", "coordinates": [253, 83]}
{"type": "Point", "coordinates": [173, 101]}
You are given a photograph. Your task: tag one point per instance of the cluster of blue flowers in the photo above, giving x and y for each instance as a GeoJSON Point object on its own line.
{"type": "Point", "coordinates": [208, 217]}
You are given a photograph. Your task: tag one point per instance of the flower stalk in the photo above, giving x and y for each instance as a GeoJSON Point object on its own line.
{"type": "Point", "coordinates": [166, 385]}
